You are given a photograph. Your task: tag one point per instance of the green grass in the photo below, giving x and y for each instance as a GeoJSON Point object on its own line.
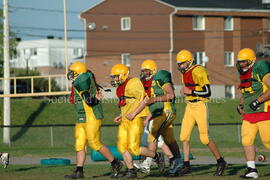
{"type": "Point", "coordinates": [38, 172]}
{"type": "Point", "coordinates": [59, 111]}
{"type": "Point", "coordinates": [38, 140]}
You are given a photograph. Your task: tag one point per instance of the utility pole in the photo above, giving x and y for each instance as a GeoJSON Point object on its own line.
{"type": "Point", "coordinates": [6, 132]}
{"type": "Point", "coordinates": [65, 41]}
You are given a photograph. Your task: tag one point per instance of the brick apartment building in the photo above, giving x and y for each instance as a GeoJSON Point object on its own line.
{"type": "Point", "coordinates": [130, 31]}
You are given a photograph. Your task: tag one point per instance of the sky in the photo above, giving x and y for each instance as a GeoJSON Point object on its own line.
{"type": "Point", "coordinates": [37, 19]}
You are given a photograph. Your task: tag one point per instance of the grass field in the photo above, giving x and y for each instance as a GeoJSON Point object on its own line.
{"type": "Point", "coordinates": [59, 141]}
{"type": "Point", "coordinates": [58, 111]}
{"type": "Point", "coordinates": [38, 172]}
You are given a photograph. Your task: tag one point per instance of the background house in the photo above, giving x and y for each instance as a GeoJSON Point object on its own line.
{"type": "Point", "coordinates": [47, 56]}
{"type": "Point", "coordinates": [128, 31]}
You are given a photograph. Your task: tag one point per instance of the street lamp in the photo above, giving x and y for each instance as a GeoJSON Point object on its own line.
{"type": "Point", "coordinates": [27, 57]}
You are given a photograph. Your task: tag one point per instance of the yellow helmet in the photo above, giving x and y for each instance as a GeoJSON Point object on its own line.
{"type": "Point", "coordinates": [149, 64]}
{"type": "Point", "coordinates": [121, 71]}
{"type": "Point", "coordinates": [76, 69]}
{"type": "Point", "coordinates": [182, 57]}
{"type": "Point", "coordinates": [247, 55]}
{"type": "Point", "coordinates": [148, 69]}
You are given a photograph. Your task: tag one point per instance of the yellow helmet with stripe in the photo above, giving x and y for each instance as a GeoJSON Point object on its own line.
{"type": "Point", "coordinates": [119, 74]}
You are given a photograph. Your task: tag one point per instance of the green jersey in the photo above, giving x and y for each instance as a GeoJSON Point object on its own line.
{"type": "Point", "coordinates": [252, 86]}
{"type": "Point", "coordinates": [85, 82]}
{"type": "Point", "coordinates": [160, 79]}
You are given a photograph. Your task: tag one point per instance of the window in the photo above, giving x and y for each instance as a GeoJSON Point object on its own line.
{"type": "Point", "coordinates": [77, 52]}
{"type": "Point", "coordinates": [199, 58]}
{"type": "Point", "coordinates": [33, 51]}
{"type": "Point", "coordinates": [229, 91]}
{"type": "Point", "coordinates": [27, 53]}
{"type": "Point", "coordinates": [81, 51]}
{"type": "Point", "coordinates": [198, 23]}
{"type": "Point", "coordinates": [228, 23]}
{"type": "Point", "coordinates": [125, 23]}
{"type": "Point", "coordinates": [126, 59]}
{"type": "Point", "coordinates": [229, 59]}
{"type": "Point", "coordinates": [60, 65]}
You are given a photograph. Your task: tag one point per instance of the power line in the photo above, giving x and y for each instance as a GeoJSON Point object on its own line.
{"type": "Point", "coordinates": [130, 32]}
{"type": "Point", "coordinates": [42, 9]}
{"type": "Point", "coordinates": [143, 38]}
{"type": "Point", "coordinates": [86, 14]}
{"type": "Point", "coordinates": [44, 28]}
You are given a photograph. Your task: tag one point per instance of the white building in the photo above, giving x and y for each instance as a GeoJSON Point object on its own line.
{"type": "Point", "coordinates": [47, 55]}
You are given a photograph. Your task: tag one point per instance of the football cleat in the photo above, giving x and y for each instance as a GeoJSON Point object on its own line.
{"type": "Point", "coordinates": [144, 166]}
{"type": "Point", "coordinates": [5, 159]}
{"type": "Point", "coordinates": [130, 174]}
{"type": "Point", "coordinates": [160, 161]}
{"type": "Point", "coordinates": [250, 173]}
{"type": "Point", "coordinates": [184, 170]}
{"type": "Point", "coordinates": [75, 175]}
{"type": "Point", "coordinates": [116, 169]}
{"type": "Point", "coordinates": [176, 164]}
{"type": "Point", "coordinates": [221, 166]}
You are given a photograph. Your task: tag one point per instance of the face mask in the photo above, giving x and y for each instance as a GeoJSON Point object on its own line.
{"type": "Point", "coordinates": [144, 76]}
{"type": "Point", "coordinates": [115, 83]}
{"type": "Point", "coordinates": [244, 69]}
{"type": "Point", "coordinates": [182, 70]}
{"type": "Point", "coordinates": [71, 75]}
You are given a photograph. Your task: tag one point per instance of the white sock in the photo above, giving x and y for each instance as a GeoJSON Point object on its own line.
{"type": "Point", "coordinates": [251, 164]}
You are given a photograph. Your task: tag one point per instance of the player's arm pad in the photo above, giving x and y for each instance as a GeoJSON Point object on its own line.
{"type": "Point", "coordinates": [88, 99]}
{"type": "Point", "coordinates": [206, 92]}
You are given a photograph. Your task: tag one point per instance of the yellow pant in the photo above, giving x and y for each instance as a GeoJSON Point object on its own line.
{"type": "Point", "coordinates": [129, 136]}
{"type": "Point", "coordinates": [249, 132]}
{"type": "Point", "coordinates": [88, 132]}
{"type": "Point", "coordinates": [167, 132]}
{"type": "Point", "coordinates": [196, 112]}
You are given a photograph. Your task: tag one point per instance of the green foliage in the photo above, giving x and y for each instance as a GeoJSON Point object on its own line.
{"type": "Point", "coordinates": [40, 84]}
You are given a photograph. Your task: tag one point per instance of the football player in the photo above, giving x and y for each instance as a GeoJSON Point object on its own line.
{"type": "Point", "coordinates": [162, 108]}
{"type": "Point", "coordinates": [130, 92]}
{"type": "Point", "coordinates": [89, 114]}
{"type": "Point", "coordinates": [196, 88]}
{"type": "Point", "coordinates": [254, 105]}
{"type": "Point", "coordinates": [145, 166]}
